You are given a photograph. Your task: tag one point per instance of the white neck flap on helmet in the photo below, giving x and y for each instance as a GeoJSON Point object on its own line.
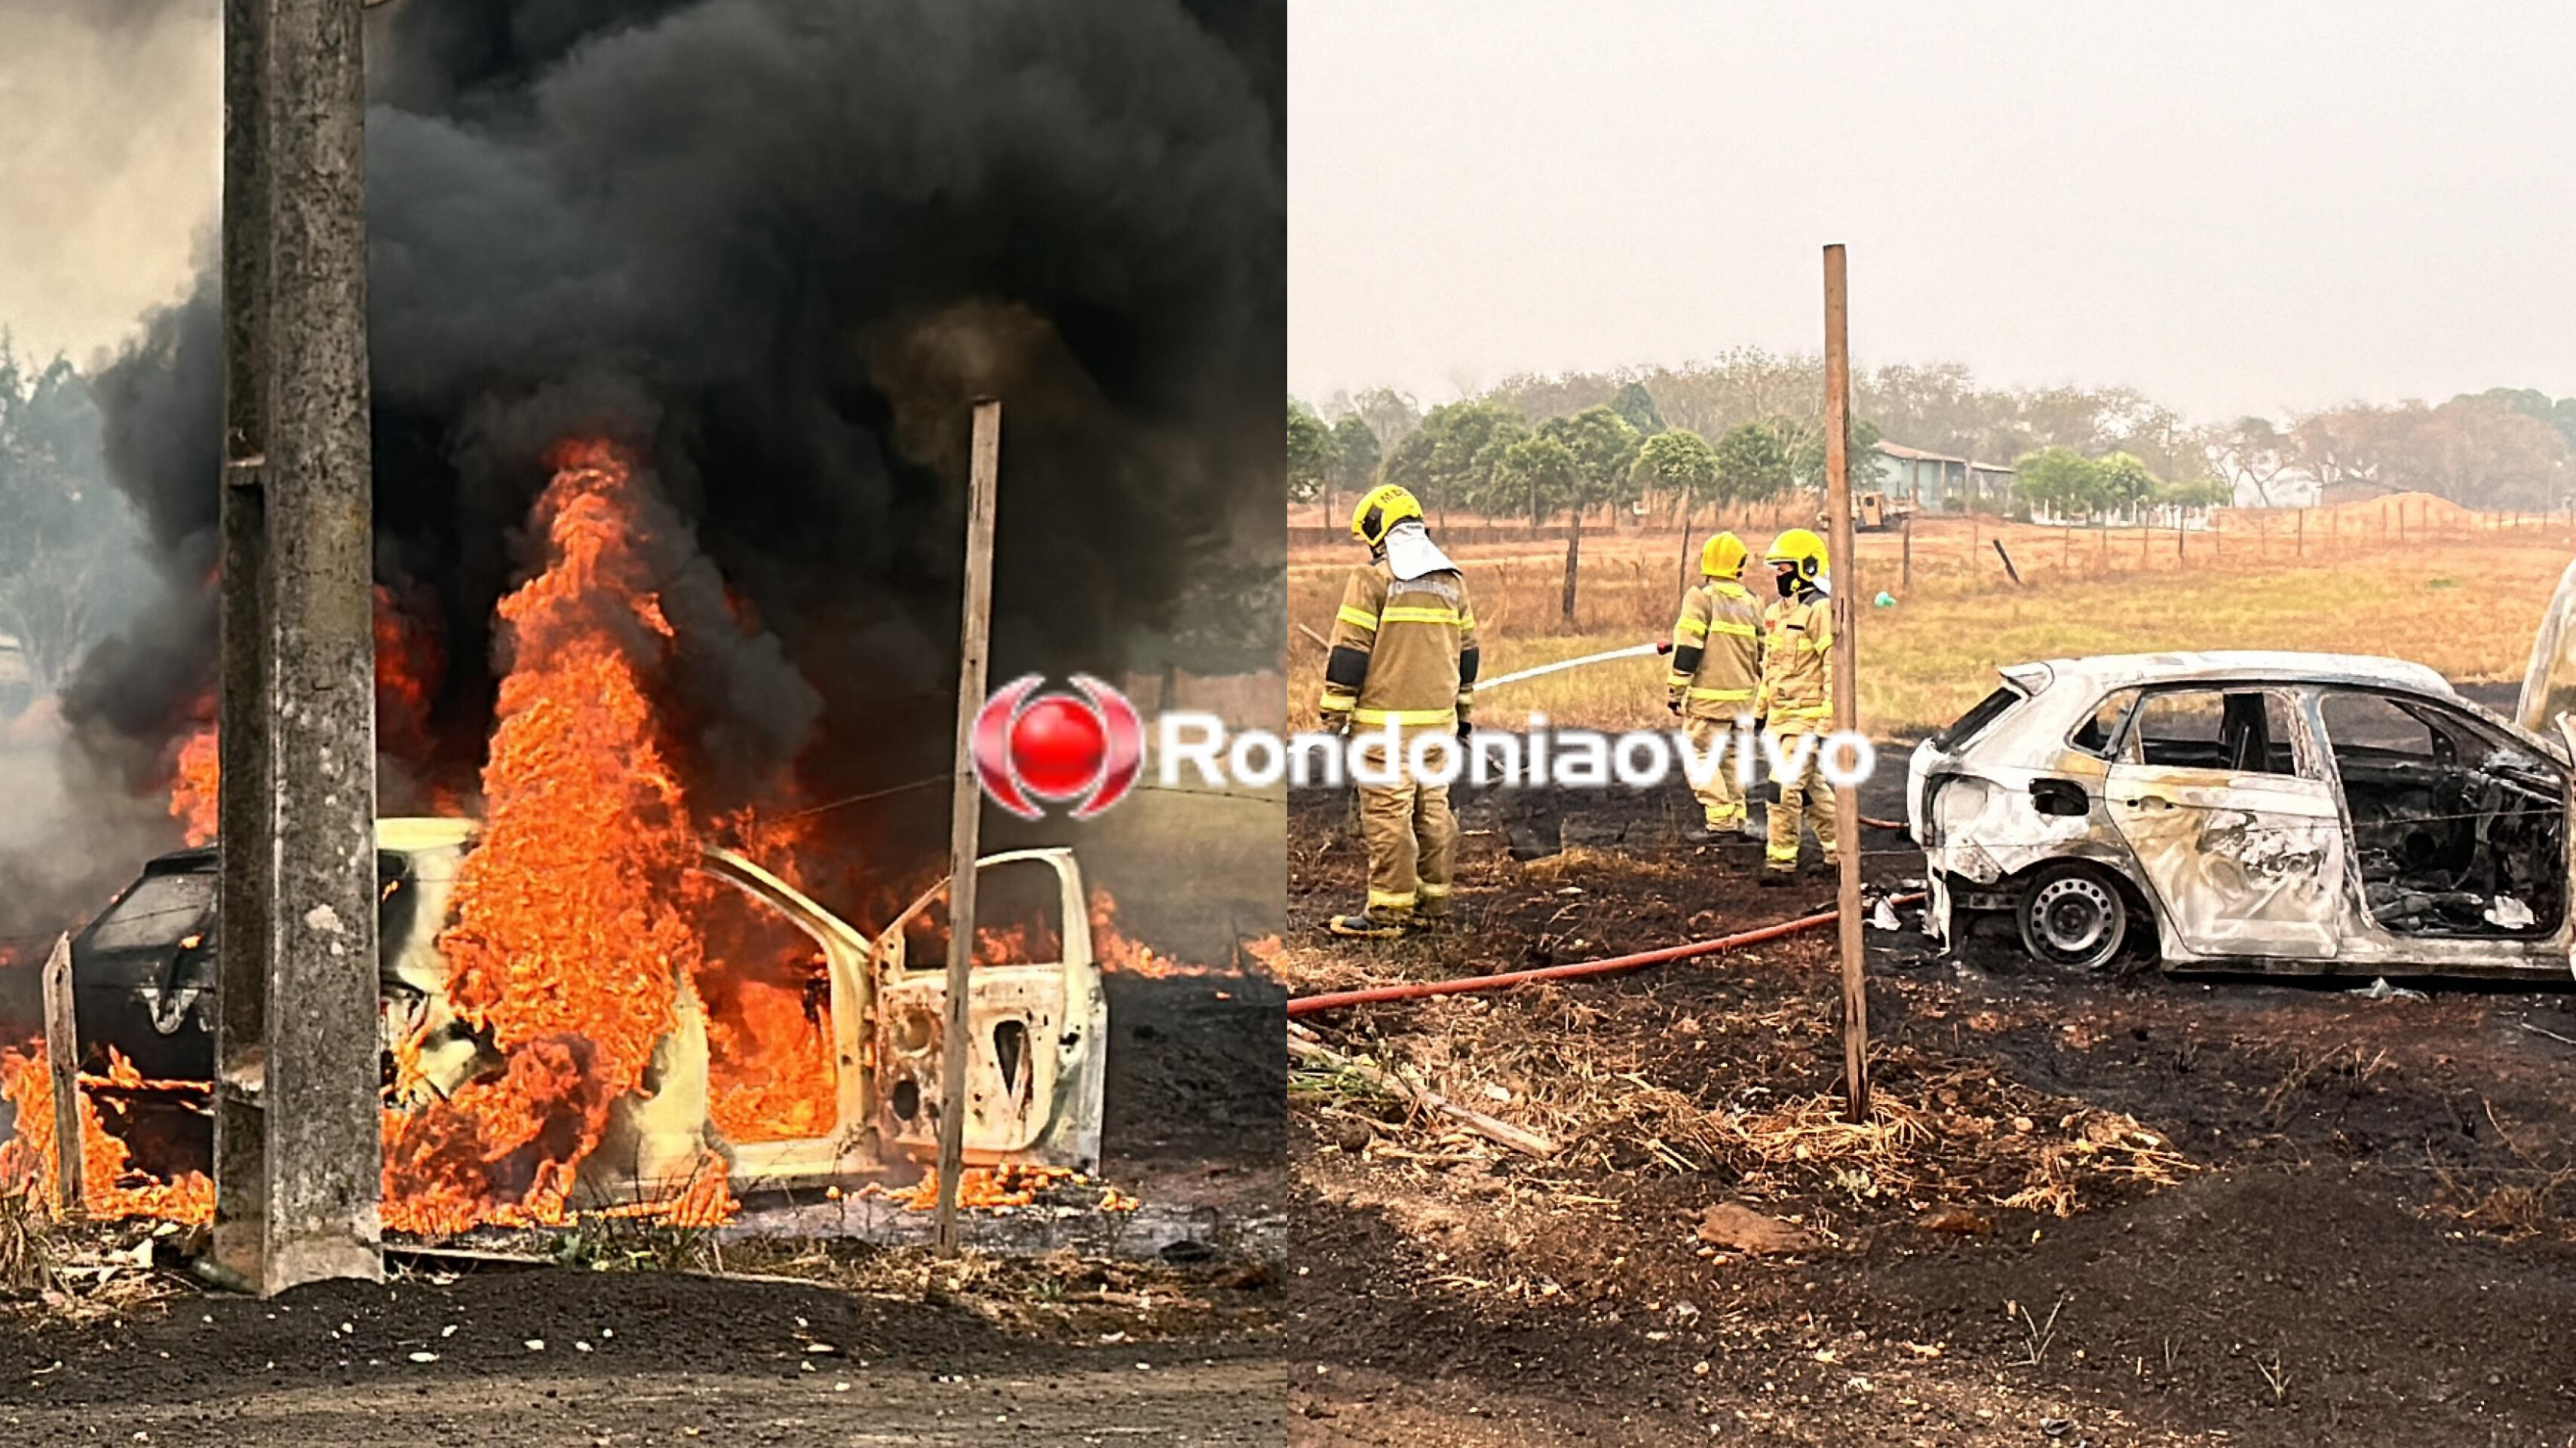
{"type": "Point", "coordinates": [1411, 553]}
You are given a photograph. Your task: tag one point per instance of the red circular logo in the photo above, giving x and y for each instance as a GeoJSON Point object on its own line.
{"type": "Point", "coordinates": [1057, 746]}
{"type": "Point", "coordinates": [1089, 749]}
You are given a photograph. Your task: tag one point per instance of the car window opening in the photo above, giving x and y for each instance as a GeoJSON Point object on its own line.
{"type": "Point", "coordinates": [1964, 730]}
{"type": "Point", "coordinates": [2239, 731]}
{"type": "Point", "coordinates": [2456, 831]}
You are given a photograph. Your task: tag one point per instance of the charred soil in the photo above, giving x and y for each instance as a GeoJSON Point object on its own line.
{"type": "Point", "coordinates": [545, 1356]}
{"type": "Point", "coordinates": [2107, 1209]}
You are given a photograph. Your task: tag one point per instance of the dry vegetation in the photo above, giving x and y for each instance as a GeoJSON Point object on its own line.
{"type": "Point", "coordinates": [2462, 593]}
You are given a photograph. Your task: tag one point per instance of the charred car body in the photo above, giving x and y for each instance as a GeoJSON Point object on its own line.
{"type": "Point", "coordinates": [143, 978]}
{"type": "Point", "coordinates": [2290, 812]}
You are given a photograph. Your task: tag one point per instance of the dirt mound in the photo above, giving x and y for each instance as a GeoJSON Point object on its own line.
{"type": "Point", "coordinates": [2417, 510]}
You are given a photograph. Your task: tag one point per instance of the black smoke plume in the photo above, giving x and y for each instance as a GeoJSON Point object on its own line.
{"type": "Point", "coordinates": [779, 246]}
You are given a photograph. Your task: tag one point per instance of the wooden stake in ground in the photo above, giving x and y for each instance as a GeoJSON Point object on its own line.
{"type": "Point", "coordinates": [62, 1055]}
{"type": "Point", "coordinates": [965, 815]}
{"type": "Point", "coordinates": [1305, 1048]}
{"type": "Point", "coordinates": [1846, 666]}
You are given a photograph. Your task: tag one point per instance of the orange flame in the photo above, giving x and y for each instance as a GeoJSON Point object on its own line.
{"type": "Point", "coordinates": [567, 941]}
{"type": "Point", "coordinates": [110, 1189]}
{"type": "Point", "coordinates": [192, 795]}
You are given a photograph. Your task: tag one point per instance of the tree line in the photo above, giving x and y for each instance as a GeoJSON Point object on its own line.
{"type": "Point", "coordinates": [1745, 429]}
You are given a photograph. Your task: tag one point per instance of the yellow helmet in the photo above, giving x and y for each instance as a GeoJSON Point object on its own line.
{"type": "Point", "coordinates": [1801, 549]}
{"type": "Point", "coordinates": [1722, 556]}
{"type": "Point", "coordinates": [1380, 509]}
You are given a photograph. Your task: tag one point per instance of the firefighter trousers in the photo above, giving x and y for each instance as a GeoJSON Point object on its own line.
{"type": "Point", "coordinates": [1412, 840]}
{"type": "Point", "coordinates": [1720, 796]}
{"type": "Point", "coordinates": [1806, 799]}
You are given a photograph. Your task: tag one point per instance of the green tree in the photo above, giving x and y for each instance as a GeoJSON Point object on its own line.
{"type": "Point", "coordinates": [1680, 462]}
{"type": "Point", "coordinates": [1634, 403]}
{"type": "Point", "coordinates": [2196, 493]}
{"type": "Point", "coordinates": [1355, 455]}
{"type": "Point", "coordinates": [1603, 447]}
{"type": "Point", "coordinates": [1543, 473]}
{"type": "Point", "coordinates": [1310, 456]}
{"type": "Point", "coordinates": [1449, 461]}
{"type": "Point", "coordinates": [61, 523]}
{"type": "Point", "coordinates": [2059, 481]}
{"type": "Point", "coordinates": [1754, 462]}
{"type": "Point", "coordinates": [2124, 482]}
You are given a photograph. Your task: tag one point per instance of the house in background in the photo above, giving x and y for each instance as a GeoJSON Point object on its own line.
{"type": "Point", "coordinates": [1937, 483]}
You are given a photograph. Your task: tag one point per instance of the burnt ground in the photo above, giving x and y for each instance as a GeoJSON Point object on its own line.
{"type": "Point", "coordinates": [2281, 1215]}
{"type": "Point", "coordinates": [659, 1358]}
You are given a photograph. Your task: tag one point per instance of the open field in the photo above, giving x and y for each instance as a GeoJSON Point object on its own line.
{"type": "Point", "coordinates": [2463, 600]}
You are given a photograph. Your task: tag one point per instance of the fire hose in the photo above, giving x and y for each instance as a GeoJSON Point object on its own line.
{"type": "Point", "coordinates": [1632, 652]}
{"type": "Point", "coordinates": [1416, 990]}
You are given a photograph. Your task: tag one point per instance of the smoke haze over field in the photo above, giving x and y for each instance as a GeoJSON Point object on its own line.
{"type": "Point", "coordinates": [111, 172]}
{"type": "Point", "coordinates": [2231, 208]}
{"type": "Point", "coordinates": [777, 248]}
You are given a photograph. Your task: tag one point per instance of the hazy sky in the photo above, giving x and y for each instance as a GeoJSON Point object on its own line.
{"type": "Point", "coordinates": [111, 135]}
{"type": "Point", "coordinates": [2233, 207]}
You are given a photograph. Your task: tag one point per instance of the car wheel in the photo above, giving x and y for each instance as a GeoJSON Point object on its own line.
{"type": "Point", "coordinates": [2073, 917]}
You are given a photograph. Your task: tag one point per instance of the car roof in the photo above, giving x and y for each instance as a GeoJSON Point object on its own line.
{"type": "Point", "coordinates": [399, 834]}
{"type": "Point", "coordinates": [2117, 670]}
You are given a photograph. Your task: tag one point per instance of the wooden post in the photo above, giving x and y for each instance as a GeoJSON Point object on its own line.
{"type": "Point", "coordinates": [965, 815]}
{"type": "Point", "coordinates": [2009, 570]}
{"type": "Point", "coordinates": [1846, 666]}
{"type": "Point", "coordinates": [1909, 556]}
{"type": "Point", "coordinates": [62, 1057]}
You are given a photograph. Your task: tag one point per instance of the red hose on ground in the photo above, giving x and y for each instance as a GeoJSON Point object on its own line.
{"type": "Point", "coordinates": [1416, 990]}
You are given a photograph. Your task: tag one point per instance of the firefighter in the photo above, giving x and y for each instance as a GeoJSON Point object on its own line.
{"type": "Point", "coordinates": [1403, 654]}
{"type": "Point", "coordinates": [1717, 661]}
{"type": "Point", "coordinates": [1796, 700]}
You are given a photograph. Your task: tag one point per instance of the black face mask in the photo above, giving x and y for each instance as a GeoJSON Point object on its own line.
{"type": "Point", "coordinates": [1788, 583]}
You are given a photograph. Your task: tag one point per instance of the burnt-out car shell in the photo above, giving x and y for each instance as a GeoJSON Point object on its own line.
{"type": "Point", "coordinates": [2274, 811]}
{"type": "Point", "coordinates": [143, 977]}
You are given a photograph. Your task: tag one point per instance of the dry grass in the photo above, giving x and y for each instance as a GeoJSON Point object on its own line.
{"type": "Point", "coordinates": [1941, 1130]}
{"type": "Point", "coordinates": [2465, 603]}
{"type": "Point", "coordinates": [30, 1257]}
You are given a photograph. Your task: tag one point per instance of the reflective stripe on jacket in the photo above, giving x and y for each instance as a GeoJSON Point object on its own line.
{"type": "Point", "coordinates": [1717, 651]}
{"type": "Point", "coordinates": [1403, 650]}
{"type": "Point", "coordinates": [1797, 690]}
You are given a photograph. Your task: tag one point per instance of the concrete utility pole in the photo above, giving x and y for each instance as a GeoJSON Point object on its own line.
{"type": "Point", "coordinates": [1846, 666]}
{"type": "Point", "coordinates": [965, 816]}
{"type": "Point", "coordinates": [299, 1158]}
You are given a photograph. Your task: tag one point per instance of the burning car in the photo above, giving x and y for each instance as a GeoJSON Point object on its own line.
{"type": "Point", "coordinates": [2286, 812]}
{"type": "Point", "coordinates": [803, 1053]}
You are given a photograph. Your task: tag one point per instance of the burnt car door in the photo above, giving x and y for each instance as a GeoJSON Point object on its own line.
{"type": "Point", "coordinates": [2221, 796]}
{"type": "Point", "coordinates": [1038, 1050]}
{"type": "Point", "coordinates": [2459, 827]}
